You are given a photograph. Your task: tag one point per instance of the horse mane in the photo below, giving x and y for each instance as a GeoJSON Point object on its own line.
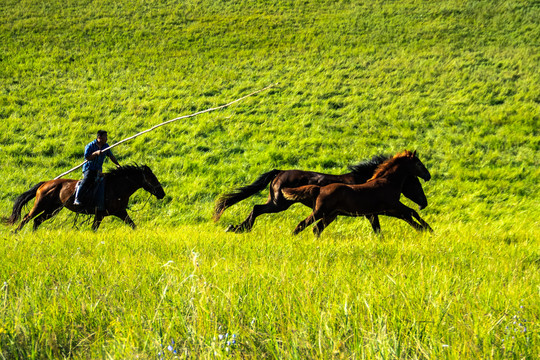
{"type": "Point", "coordinates": [389, 163]}
{"type": "Point", "coordinates": [364, 165]}
{"type": "Point", "coordinates": [125, 171]}
{"type": "Point", "coordinates": [364, 169]}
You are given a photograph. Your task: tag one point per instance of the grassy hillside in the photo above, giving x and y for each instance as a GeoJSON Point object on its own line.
{"type": "Point", "coordinates": [457, 80]}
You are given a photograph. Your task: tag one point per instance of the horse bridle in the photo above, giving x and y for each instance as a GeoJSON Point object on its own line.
{"type": "Point", "coordinates": [153, 187]}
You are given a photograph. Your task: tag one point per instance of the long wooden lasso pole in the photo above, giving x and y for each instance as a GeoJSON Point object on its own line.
{"type": "Point", "coordinates": [168, 122]}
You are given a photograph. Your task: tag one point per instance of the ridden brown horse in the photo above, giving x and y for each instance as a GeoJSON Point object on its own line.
{"type": "Point", "coordinates": [53, 195]}
{"type": "Point", "coordinates": [378, 196]}
{"type": "Point", "coordinates": [280, 179]}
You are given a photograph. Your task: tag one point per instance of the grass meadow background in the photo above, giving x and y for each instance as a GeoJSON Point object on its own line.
{"type": "Point", "coordinates": [457, 80]}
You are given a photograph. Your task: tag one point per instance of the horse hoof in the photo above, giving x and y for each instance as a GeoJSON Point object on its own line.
{"type": "Point", "coordinates": [242, 229]}
{"type": "Point", "coordinates": [238, 229]}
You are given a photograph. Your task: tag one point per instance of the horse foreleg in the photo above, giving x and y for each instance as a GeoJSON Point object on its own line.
{"type": "Point", "coordinates": [375, 224]}
{"type": "Point", "coordinates": [125, 217]}
{"type": "Point", "coordinates": [409, 220]}
{"type": "Point", "coordinates": [405, 213]}
{"type": "Point", "coordinates": [97, 220]}
{"type": "Point", "coordinates": [421, 221]}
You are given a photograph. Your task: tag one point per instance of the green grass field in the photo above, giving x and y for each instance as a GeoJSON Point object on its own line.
{"type": "Point", "coordinates": [457, 80]}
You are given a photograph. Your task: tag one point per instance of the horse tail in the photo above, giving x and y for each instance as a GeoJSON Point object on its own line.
{"type": "Point", "coordinates": [20, 202]}
{"type": "Point", "coordinates": [302, 193]}
{"type": "Point", "coordinates": [242, 193]}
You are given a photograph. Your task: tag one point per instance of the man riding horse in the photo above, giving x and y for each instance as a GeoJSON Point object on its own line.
{"type": "Point", "coordinates": [93, 168]}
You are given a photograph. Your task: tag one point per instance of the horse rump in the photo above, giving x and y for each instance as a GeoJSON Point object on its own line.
{"type": "Point", "coordinates": [306, 194]}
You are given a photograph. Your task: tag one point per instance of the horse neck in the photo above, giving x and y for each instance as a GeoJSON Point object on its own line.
{"type": "Point", "coordinates": [395, 174]}
{"type": "Point", "coordinates": [360, 177]}
{"type": "Point", "coordinates": [127, 185]}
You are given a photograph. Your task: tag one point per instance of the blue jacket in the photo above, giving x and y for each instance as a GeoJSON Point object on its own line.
{"type": "Point", "coordinates": [97, 163]}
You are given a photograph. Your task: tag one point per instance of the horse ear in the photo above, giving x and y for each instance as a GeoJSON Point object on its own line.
{"type": "Point", "coordinates": [414, 153]}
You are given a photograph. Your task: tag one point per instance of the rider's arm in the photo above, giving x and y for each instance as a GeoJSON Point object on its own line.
{"type": "Point", "coordinates": [113, 159]}
{"type": "Point", "coordinates": [89, 154]}
{"type": "Point", "coordinates": [94, 155]}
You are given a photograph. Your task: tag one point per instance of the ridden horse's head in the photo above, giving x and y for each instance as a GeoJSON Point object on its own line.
{"type": "Point", "coordinates": [138, 176]}
{"type": "Point", "coordinates": [151, 183]}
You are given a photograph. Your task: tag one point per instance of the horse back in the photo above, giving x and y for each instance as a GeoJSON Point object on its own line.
{"type": "Point", "coordinates": [297, 178]}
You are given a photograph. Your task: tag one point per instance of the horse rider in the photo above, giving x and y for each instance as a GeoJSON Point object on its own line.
{"type": "Point", "coordinates": [93, 168]}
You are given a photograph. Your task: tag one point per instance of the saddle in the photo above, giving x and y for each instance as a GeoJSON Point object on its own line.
{"type": "Point", "coordinates": [93, 197]}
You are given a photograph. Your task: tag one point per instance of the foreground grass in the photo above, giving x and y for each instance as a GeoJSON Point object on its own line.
{"type": "Point", "coordinates": [461, 292]}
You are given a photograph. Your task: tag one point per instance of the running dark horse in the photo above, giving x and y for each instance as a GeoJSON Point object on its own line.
{"type": "Point", "coordinates": [53, 195]}
{"type": "Point", "coordinates": [280, 179]}
{"type": "Point", "coordinates": [379, 195]}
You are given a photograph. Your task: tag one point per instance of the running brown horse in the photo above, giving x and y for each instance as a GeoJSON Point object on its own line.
{"type": "Point", "coordinates": [280, 179]}
{"type": "Point", "coordinates": [378, 196]}
{"type": "Point", "coordinates": [53, 195]}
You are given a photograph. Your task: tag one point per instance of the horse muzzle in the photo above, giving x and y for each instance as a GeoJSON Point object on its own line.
{"type": "Point", "coordinates": [160, 194]}
{"type": "Point", "coordinates": [426, 176]}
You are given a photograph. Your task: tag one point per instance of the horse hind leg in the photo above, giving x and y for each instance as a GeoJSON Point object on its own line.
{"type": "Point", "coordinates": [44, 216]}
{"type": "Point", "coordinates": [36, 210]}
{"type": "Point", "coordinates": [25, 219]}
{"type": "Point", "coordinates": [322, 224]}
{"type": "Point", "coordinates": [269, 208]}
{"type": "Point", "coordinates": [313, 217]}
{"type": "Point", "coordinates": [303, 224]}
